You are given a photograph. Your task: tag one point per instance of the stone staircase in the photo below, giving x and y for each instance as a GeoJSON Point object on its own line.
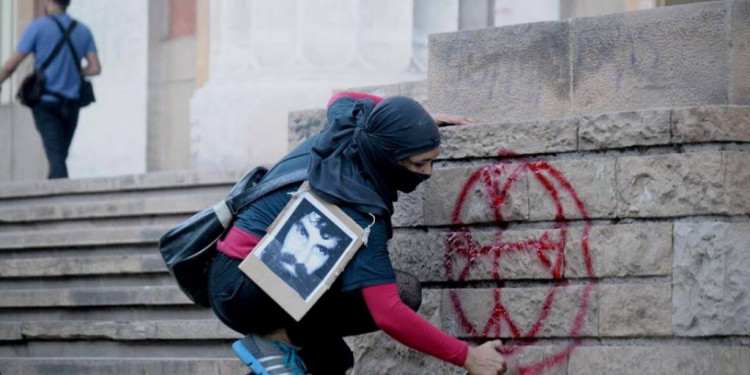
{"type": "Point", "coordinates": [596, 219]}
{"type": "Point", "coordinates": [83, 289]}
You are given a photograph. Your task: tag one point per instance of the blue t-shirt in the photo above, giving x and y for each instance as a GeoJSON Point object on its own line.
{"type": "Point", "coordinates": [371, 264]}
{"type": "Point", "coordinates": [40, 38]}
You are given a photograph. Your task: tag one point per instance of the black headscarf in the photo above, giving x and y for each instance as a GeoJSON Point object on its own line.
{"type": "Point", "coordinates": [355, 160]}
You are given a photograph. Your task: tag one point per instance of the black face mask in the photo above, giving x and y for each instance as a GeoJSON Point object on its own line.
{"type": "Point", "coordinates": [405, 180]}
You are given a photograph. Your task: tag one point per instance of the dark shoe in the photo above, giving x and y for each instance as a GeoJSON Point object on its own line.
{"type": "Point", "coordinates": [266, 357]}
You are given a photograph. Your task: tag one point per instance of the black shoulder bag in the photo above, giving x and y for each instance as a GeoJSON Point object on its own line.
{"type": "Point", "coordinates": [189, 248]}
{"type": "Point", "coordinates": [33, 86]}
{"type": "Point", "coordinates": [86, 91]}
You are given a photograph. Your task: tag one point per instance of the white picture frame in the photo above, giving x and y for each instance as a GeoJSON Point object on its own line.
{"type": "Point", "coordinates": [303, 252]}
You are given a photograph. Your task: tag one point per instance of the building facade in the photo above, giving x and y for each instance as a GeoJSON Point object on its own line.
{"type": "Point", "coordinates": [208, 84]}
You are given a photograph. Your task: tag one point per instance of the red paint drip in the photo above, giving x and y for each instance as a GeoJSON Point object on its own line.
{"type": "Point", "coordinates": [549, 250]}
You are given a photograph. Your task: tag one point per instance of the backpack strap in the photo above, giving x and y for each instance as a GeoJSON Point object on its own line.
{"type": "Point", "coordinates": [66, 36]}
{"type": "Point", "coordinates": [235, 204]}
{"type": "Point", "coordinates": [59, 45]}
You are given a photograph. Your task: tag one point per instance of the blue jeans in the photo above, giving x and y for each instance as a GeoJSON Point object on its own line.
{"type": "Point", "coordinates": [56, 123]}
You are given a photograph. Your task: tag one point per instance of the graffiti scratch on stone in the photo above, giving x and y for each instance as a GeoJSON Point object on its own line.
{"type": "Point", "coordinates": [548, 249]}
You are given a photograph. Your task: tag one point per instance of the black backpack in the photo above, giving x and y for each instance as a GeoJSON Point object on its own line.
{"type": "Point", "coordinates": [189, 248]}
{"type": "Point", "coordinates": [34, 86]}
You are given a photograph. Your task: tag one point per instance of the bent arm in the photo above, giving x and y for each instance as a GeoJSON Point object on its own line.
{"type": "Point", "coordinates": [93, 66]}
{"type": "Point", "coordinates": [407, 327]}
{"type": "Point", "coordinates": [11, 65]}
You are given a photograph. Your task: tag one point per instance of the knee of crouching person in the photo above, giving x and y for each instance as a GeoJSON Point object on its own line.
{"type": "Point", "coordinates": [409, 289]}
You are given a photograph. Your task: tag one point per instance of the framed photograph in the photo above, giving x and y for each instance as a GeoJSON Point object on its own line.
{"type": "Point", "coordinates": [303, 252]}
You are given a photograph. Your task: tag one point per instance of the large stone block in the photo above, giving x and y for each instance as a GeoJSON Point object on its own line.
{"type": "Point", "coordinates": [711, 123]}
{"type": "Point", "coordinates": [490, 193]}
{"type": "Point", "coordinates": [620, 250]}
{"type": "Point", "coordinates": [635, 310]}
{"type": "Point", "coordinates": [739, 91]}
{"type": "Point", "coordinates": [624, 129]}
{"type": "Point", "coordinates": [572, 189]}
{"type": "Point", "coordinates": [419, 252]}
{"type": "Point", "coordinates": [408, 211]}
{"type": "Point", "coordinates": [666, 57]}
{"type": "Point", "coordinates": [554, 311]}
{"type": "Point", "coordinates": [303, 124]}
{"type": "Point", "coordinates": [437, 255]}
{"type": "Point", "coordinates": [512, 73]}
{"type": "Point", "coordinates": [671, 185]}
{"type": "Point", "coordinates": [489, 140]}
{"type": "Point", "coordinates": [537, 359]}
{"type": "Point", "coordinates": [710, 280]}
{"type": "Point", "coordinates": [479, 254]}
{"type": "Point", "coordinates": [376, 353]}
{"type": "Point", "coordinates": [503, 254]}
{"type": "Point", "coordinates": [660, 360]}
{"type": "Point", "coordinates": [737, 181]}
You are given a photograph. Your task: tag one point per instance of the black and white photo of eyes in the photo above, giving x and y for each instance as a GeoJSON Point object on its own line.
{"type": "Point", "coordinates": [305, 249]}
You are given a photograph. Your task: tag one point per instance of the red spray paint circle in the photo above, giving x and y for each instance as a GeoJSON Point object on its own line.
{"type": "Point", "coordinates": [549, 251]}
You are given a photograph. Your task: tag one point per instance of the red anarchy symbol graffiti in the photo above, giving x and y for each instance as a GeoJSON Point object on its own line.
{"type": "Point", "coordinates": [549, 249]}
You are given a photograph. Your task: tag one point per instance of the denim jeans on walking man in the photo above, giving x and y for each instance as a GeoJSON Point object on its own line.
{"type": "Point", "coordinates": [56, 122]}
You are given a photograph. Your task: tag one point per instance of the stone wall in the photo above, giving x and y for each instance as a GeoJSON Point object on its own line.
{"type": "Point", "coordinates": [596, 219]}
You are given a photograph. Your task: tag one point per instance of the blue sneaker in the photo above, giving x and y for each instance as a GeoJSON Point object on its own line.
{"type": "Point", "coordinates": [266, 357]}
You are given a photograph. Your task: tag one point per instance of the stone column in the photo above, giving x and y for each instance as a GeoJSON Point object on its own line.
{"type": "Point", "coordinates": [111, 135]}
{"type": "Point", "coordinates": [21, 153]}
{"type": "Point", "coordinates": [511, 12]}
{"type": "Point", "coordinates": [586, 8]}
{"type": "Point", "coordinates": [271, 57]}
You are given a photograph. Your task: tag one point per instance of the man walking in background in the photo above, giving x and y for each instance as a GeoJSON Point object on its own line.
{"type": "Point", "coordinates": [56, 115]}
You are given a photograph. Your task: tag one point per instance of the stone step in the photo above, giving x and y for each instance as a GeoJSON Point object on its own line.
{"type": "Point", "coordinates": [601, 131]}
{"type": "Point", "coordinates": [618, 62]}
{"type": "Point", "coordinates": [114, 350]}
{"type": "Point", "coordinates": [119, 366]}
{"type": "Point", "coordinates": [141, 330]}
{"type": "Point", "coordinates": [109, 313]}
{"type": "Point", "coordinates": [135, 183]}
{"type": "Point", "coordinates": [83, 297]}
{"type": "Point", "coordinates": [604, 131]}
{"type": "Point", "coordinates": [82, 266]}
{"type": "Point", "coordinates": [93, 236]}
{"type": "Point", "coordinates": [133, 280]}
{"type": "Point", "coordinates": [667, 360]}
{"type": "Point", "coordinates": [148, 248]}
{"type": "Point", "coordinates": [112, 205]}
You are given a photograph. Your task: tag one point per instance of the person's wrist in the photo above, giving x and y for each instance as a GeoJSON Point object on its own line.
{"type": "Point", "coordinates": [469, 358]}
